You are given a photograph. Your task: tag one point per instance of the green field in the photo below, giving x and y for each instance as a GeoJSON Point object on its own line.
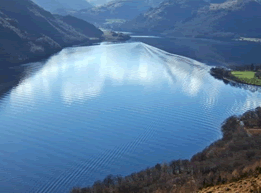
{"type": "Point", "coordinates": [247, 77]}
{"type": "Point", "coordinates": [243, 74]}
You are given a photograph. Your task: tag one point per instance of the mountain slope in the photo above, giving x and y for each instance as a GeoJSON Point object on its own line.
{"type": "Point", "coordinates": [117, 10]}
{"type": "Point", "coordinates": [197, 18]}
{"type": "Point", "coordinates": [165, 16]}
{"type": "Point", "coordinates": [53, 5]}
{"type": "Point", "coordinates": [28, 31]}
{"type": "Point", "coordinates": [80, 25]}
{"type": "Point", "coordinates": [249, 184]}
{"type": "Point", "coordinates": [226, 20]}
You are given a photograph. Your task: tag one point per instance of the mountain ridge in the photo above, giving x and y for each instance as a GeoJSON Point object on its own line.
{"type": "Point", "coordinates": [118, 11]}
{"type": "Point", "coordinates": [195, 18]}
{"type": "Point", "coordinates": [53, 5]}
{"type": "Point", "coordinates": [28, 31]}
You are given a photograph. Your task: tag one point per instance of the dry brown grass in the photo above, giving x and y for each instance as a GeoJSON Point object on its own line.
{"type": "Point", "coordinates": [250, 184]}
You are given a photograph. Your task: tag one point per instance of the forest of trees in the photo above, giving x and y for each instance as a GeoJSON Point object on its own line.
{"type": "Point", "coordinates": [234, 156]}
{"type": "Point", "coordinates": [250, 67]}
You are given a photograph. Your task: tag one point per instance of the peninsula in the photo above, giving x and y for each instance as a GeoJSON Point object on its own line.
{"type": "Point", "coordinates": [250, 75]}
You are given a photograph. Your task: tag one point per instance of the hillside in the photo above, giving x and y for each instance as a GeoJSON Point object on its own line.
{"type": "Point", "coordinates": [53, 5]}
{"type": "Point", "coordinates": [116, 11]}
{"type": "Point", "coordinates": [165, 16]}
{"type": "Point", "coordinates": [195, 18]}
{"type": "Point", "coordinates": [245, 185]}
{"type": "Point", "coordinates": [227, 20]}
{"type": "Point", "coordinates": [28, 32]}
{"type": "Point", "coordinates": [234, 157]}
{"type": "Point", "coordinates": [84, 27]}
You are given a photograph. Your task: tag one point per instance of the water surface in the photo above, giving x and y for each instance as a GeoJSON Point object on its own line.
{"type": "Point", "coordinates": [88, 112]}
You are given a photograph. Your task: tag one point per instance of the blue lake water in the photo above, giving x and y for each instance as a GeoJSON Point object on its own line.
{"type": "Point", "coordinates": [87, 112]}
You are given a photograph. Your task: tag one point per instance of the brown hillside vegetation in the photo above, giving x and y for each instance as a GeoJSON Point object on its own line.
{"type": "Point", "coordinates": [245, 185]}
{"type": "Point", "coordinates": [236, 156]}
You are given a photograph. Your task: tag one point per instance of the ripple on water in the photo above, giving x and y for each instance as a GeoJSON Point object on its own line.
{"type": "Point", "coordinates": [90, 111]}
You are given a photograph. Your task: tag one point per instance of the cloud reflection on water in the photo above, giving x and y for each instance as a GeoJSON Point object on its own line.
{"type": "Point", "coordinates": [81, 73]}
{"type": "Point", "coordinates": [183, 115]}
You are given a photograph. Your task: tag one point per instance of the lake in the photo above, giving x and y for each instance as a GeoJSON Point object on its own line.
{"type": "Point", "coordinates": [87, 112]}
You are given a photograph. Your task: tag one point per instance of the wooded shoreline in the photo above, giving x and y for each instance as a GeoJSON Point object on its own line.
{"type": "Point", "coordinates": [227, 75]}
{"type": "Point", "coordinates": [223, 161]}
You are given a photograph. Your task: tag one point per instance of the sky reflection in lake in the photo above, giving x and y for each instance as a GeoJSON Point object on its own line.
{"type": "Point", "coordinates": [91, 111]}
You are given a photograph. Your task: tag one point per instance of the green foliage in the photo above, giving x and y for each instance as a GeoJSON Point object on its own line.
{"type": "Point", "coordinates": [244, 74]}
{"type": "Point", "coordinates": [247, 77]}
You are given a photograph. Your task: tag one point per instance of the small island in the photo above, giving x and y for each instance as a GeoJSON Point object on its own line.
{"type": "Point", "coordinates": [112, 36]}
{"type": "Point", "coordinates": [250, 75]}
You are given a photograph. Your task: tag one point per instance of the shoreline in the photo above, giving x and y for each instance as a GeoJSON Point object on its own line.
{"type": "Point", "coordinates": [16, 68]}
{"type": "Point", "coordinates": [105, 38]}
{"type": "Point", "coordinates": [225, 75]}
{"type": "Point", "coordinates": [222, 162]}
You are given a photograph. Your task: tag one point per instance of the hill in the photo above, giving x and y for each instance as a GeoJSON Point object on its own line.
{"type": "Point", "coordinates": [84, 27]}
{"type": "Point", "coordinates": [116, 11]}
{"type": "Point", "coordinates": [165, 16]}
{"type": "Point", "coordinates": [29, 32]}
{"type": "Point", "coordinates": [235, 18]}
{"type": "Point", "coordinates": [195, 18]}
{"type": "Point", "coordinates": [53, 5]}
{"type": "Point", "coordinates": [245, 185]}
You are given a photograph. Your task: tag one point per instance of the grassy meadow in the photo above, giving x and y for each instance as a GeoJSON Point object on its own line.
{"type": "Point", "coordinates": [247, 77]}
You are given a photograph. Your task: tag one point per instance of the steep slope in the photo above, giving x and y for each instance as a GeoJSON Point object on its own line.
{"type": "Point", "coordinates": [53, 5]}
{"type": "Point", "coordinates": [197, 18]}
{"type": "Point", "coordinates": [226, 20]}
{"type": "Point", "coordinates": [50, 5]}
{"type": "Point", "coordinates": [80, 25]}
{"type": "Point", "coordinates": [250, 184]}
{"type": "Point", "coordinates": [165, 16]}
{"type": "Point", "coordinates": [28, 31]}
{"type": "Point", "coordinates": [118, 10]}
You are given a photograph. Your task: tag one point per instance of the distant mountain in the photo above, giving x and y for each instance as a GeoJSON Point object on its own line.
{"type": "Point", "coordinates": [53, 5]}
{"type": "Point", "coordinates": [115, 11]}
{"type": "Point", "coordinates": [197, 18]}
{"type": "Point", "coordinates": [165, 16]}
{"type": "Point", "coordinates": [27, 31]}
{"type": "Point", "coordinates": [101, 2]}
{"type": "Point", "coordinates": [227, 20]}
